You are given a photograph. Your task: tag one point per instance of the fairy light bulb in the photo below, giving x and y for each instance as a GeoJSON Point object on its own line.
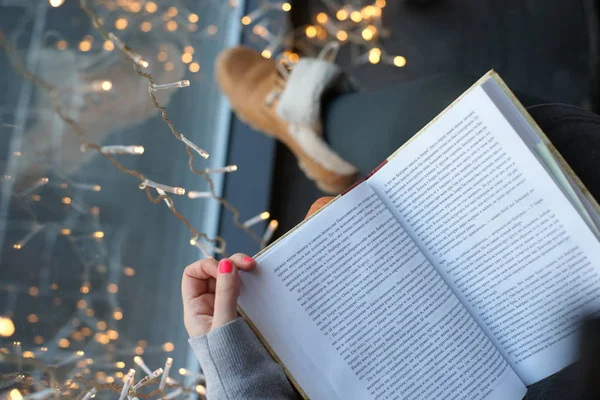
{"type": "Point", "coordinates": [56, 3]}
{"type": "Point", "coordinates": [229, 168]}
{"type": "Point", "coordinates": [255, 220]}
{"type": "Point", "coordinates": [271, 228]}
{"type": "Point", "coordinates": [135, 57]}
{"type": "Point", "coordinates": [127, 384]}
{"type": "Point", "coordinates": [266, 53]}
{"type": "Point", "coordinates": [179, 84]}
{"type": "Point", "coordinates": [399, 61]}
{"type": "Point", "coordinates": [7, 326]}
{"type": "Point", "coordinates": [119, 149]}
{"type": "Point", "coordinates": [171, 189]}
{"type": "Point", "coordinates": [148, 378]}
{"type": "Point", "coordinates": [192, 194]}
{"type": "Point", "coordinates": [201, 152]}
{"type": "Point", "coordinates": [286, 7]}
{"type": "Point", "coordinates": [165, 376]}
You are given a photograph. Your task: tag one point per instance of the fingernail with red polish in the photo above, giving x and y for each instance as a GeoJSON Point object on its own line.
{"type": "Point", "coordinates": [225, 266]}
{"type": "Point", "coordinates": [248, 259]}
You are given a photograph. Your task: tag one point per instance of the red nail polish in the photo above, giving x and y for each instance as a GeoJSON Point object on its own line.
{"type": "Point", "coordinates": [225, 266]}
{"type": "Point", "coordinates": [248, 259]}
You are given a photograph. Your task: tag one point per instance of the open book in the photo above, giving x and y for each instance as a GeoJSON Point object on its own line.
{"type": "Point", "coordinates": [460, 268]}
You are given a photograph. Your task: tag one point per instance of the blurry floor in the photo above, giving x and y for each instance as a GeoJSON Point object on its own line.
{"type": "Point", "coordinates": [540, 47]}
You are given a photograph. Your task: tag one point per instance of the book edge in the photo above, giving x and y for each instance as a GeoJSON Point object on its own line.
{"type": "Point", "coordinates": [553, 150]}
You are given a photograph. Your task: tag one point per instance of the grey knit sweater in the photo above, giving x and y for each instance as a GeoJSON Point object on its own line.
{"type": "Point", "coordinates": [238, 367]}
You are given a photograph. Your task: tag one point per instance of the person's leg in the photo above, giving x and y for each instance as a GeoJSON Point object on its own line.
{"type": "Point", "coordinates": [366, 127]}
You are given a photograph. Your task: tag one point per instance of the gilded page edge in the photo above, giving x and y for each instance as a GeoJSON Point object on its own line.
{"type": "Point", "coordinates": [555, 153]}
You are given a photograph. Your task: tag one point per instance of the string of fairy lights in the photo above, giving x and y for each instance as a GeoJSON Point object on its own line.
{"type": "Point", "coordinates": [359, 27]}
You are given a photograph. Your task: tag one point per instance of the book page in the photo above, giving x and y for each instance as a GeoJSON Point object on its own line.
{"type": "Point", "coordinates": [354, 310]}
{"type": "Point", "coordinates": [499, 230]}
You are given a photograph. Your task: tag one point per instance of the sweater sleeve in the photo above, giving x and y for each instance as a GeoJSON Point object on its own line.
{"type": "Point", "coordinates": [238, 367]}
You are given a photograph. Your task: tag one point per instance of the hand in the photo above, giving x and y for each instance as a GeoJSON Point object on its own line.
{"type": "Point", "coordinates": [210, 291]}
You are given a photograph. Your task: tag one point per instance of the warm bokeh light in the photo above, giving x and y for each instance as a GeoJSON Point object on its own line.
{"type": "Point", "coordinates": [65, 231]}
{"type": "Point", "coordinates": [28, 354]}
{"type": "Point", "coordinates": [194, 67]}
{"type": "Point", "coordinates": [61, 44]}
{"type": "Point", "coordinates": [322, 18]}
{"type": "Point", "coordinates": [139, 350]}
{"type": "Point", "coordinates": [342, 15]}
{"type": "Point", "coordinates": [168, 347]}
{"type": "Point", "coordinates": [399, 61]}
{"type": "Point", "coordinates": [118, 315]}
{"type": "Point", "coordinates": [106, 86]}
{"type": "Point", "coordinates": [356, 16]}
{"type": "Point", "coordinates": [172, 11]}
{"type": "Point", "coordinates": [162, 56]}
{"type": "Point", "coordinates": [101, 325]}
{"type": "Point", "coordinates": [112, 288]}
{"type": "Point", "coordinates": [108, 45]}
{"type": "Point", "coordinates": [189, 49]}
{"type": "Point", "coordinates": [286, 6]}
{"type": "Point", "coordinates": [14, 394]}
{"type": "Point", "coordinates": [129, 271]}
{"type": "Point", "coordinates": [201, 390]}
{"type": "Point", "coordinates": [212, 29]}
{"type": "Point", "coordinates": [341, 35]}
{"type": "Point", "coordinates": [121, 23]}
{"type": "Point", "coordinates": [374, 57]}
{"type": "Point", "coordinates": [145, 26]}
{"type": "Point", "coordinates": [171, 26]}
{"type": "Point", "coordinates": [151, 7]}
{"type": "Point", "coordinates": [98, 235]}
{"type": "Point", "coordinates": [81, 304]}
{"type": "Point", "coordinates": [169, 66]}
{"type": "Point", "coordinates": [193, 18]}
{"type": "Point", "coordinates": [66, 200]}
{"type": "Point", "coordinates": [246, 20]}
{"type": "Point", "coordinates": [380, 3]}
{"type": "Point", "coordinates": [112, 334]}
{"type": "Point", "coordinates": [367, 34]}
{"type": "Point", "coordinates": [7, 327]}
{"type": "Point", "coordinates": [85, 288]}
{"type": "Point", "coordinates": [36, 197]}
{"type": "Point", "coordinates": [64, 343]}
{"type": "Point", "coordinates": [56, 3]}
{"type": "Point", "coordinates": [38, 340]}
{"type": "Point", "coordinates": [85, 45]}
{"type": "Point", "coordinates": [186, 58]}
{"type": "Point", "coordinates": [33, 291]}
{"type": "Point", "coordinates": [266, 54]}
{"type": "Point", "coordinates": [311, 31]}
{"type": "Point", "coordinates": [32, 318]}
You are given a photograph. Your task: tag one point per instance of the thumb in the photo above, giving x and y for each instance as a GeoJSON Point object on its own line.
{"type": "Point", "coordinates": [226, 294]}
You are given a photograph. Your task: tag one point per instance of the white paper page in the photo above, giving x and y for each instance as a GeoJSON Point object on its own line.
{"type": "Point", "coordinates": [500, 231]}
{"type": "Point", "coordinates": [355, 311]}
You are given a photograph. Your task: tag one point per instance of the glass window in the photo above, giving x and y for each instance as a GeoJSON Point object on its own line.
{"type": "Point", "coordinates": [87, 262]}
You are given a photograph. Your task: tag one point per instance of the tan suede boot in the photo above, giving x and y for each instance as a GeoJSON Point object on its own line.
{"type": "Point", "coordinates": [250, 82]}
